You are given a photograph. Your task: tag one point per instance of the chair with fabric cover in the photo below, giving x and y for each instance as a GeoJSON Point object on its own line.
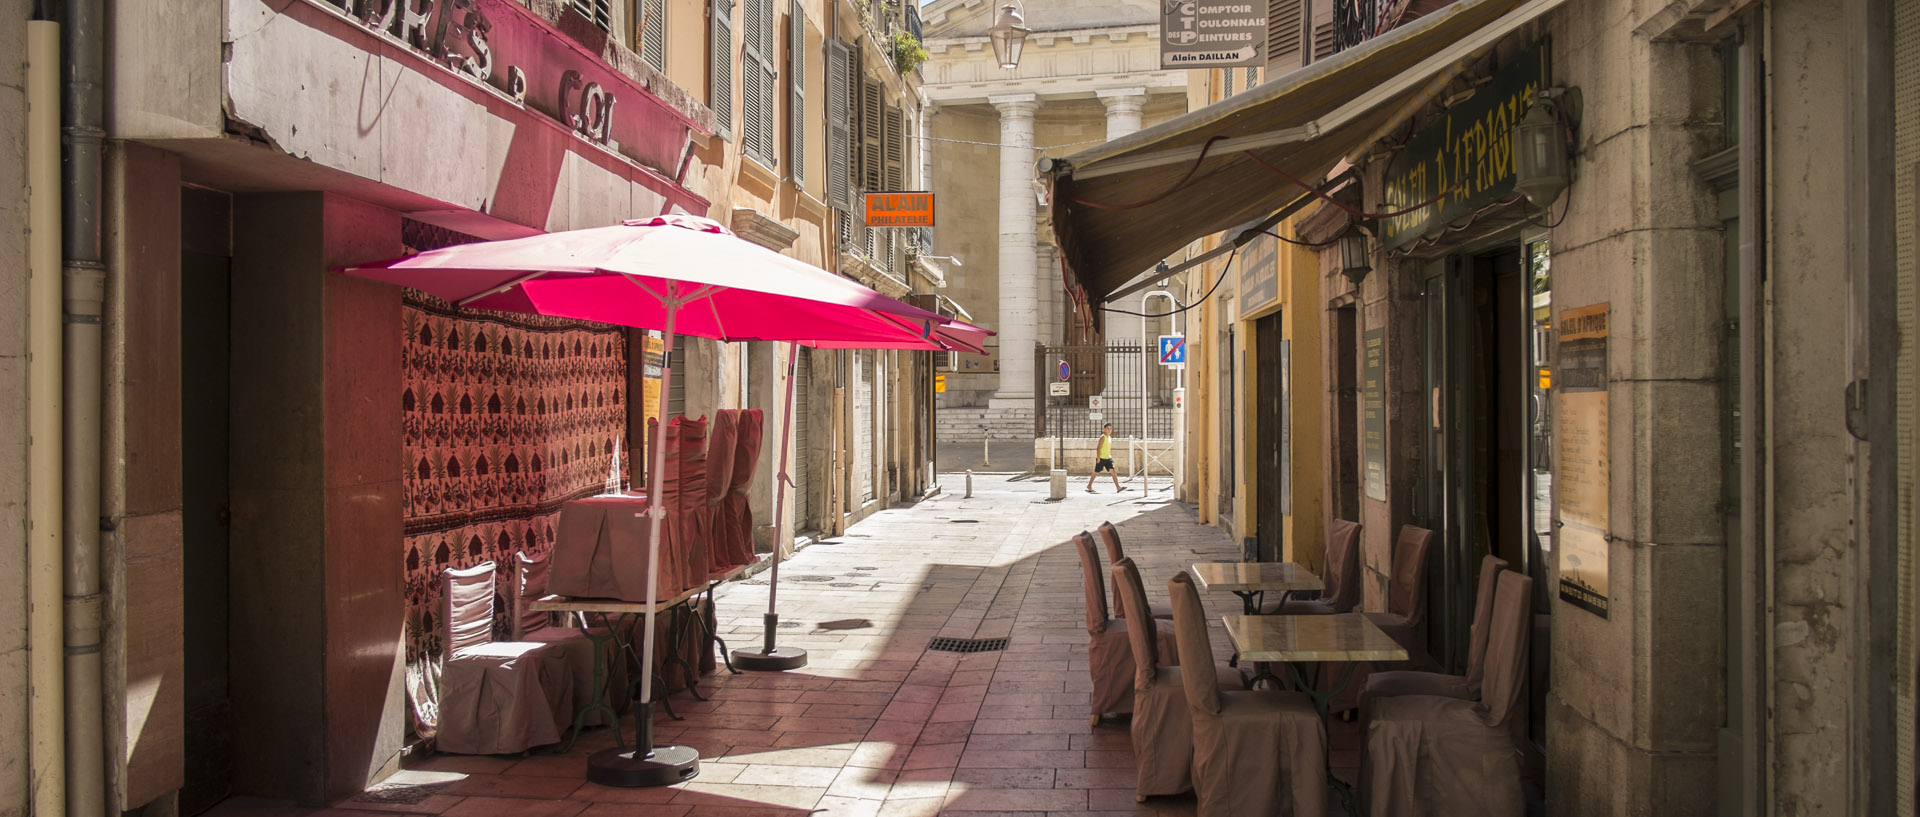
{"type": "Point", "coordinates": [496, 697]}
{"type": "Point", "coordinates": [1466, 687]}
{"type": "Point", "coordinates": [734, 524]}
{"type": "Point", "coordinates": [1340, 579]}
{"type": "Point", "coordinates": [1254, 752]}
{"type": "Point", "coordinates": [529, 584]}
{"type": "Point", "coordinates": [722, 435]}
{"type": "Point", "coordinates": [1109, 654]}
{"type": "Point", "coordinates": [694, 517]}
{"type": "Point", "coordinates": [1406, 616]}
{"type": "Point", "coordinates": [1162, 727]}
{"type": "Point", "coordinates": [1110, 536]}
{"type": "Point", "coordinates": [1431, 755]}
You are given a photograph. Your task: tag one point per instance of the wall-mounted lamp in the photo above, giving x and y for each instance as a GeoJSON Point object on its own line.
{"type": "Point", "coordinates": [1008, 35]}
{"type": "Point", "coordinates": [1540, 147]}
{"type": "Point", "coordinates": [1356, 254]}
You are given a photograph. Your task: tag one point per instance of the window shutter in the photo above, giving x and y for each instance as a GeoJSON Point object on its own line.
{"type": "Point", "coordinates": [1324, 43]}
{"type": "Point", "coordinates": [1286, 21]}
{"type": "Point", "coordinates": [797, 93]}
{"type": "Point", "coordinates": [1226, 82]}
{"type": "Point", "coordinates": [600, 12]}
{"type": "Point", "coordinates": [1253, 78]}
{"type": "Point", "coordinates": [873, 136]}
{"type": "Point", "coordinates": [653, 33]}
{"type": "Point", "coordinates": [720, 66]}
{"type": "Point", "coordinates": [894, 176]}
{"type": "Point", "coordinates": [756, 83]}
{"type": "Point", "coordinates": [839, 132]}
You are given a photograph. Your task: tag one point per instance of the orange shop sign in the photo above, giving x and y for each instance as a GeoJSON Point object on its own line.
{"type": "Point", "coordinates": [899, 209]}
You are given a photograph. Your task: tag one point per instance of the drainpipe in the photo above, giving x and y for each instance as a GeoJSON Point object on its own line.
{"type": "Point", "coordinates": [83, 292]}
{"type": "Point", "coordinates": [46, 730]}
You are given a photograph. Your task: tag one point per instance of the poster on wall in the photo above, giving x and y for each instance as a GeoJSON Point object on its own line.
{"type": "Point", "coordinates": [1373, 413]}
{"type": "Point", "coordinates": [1582, 475]}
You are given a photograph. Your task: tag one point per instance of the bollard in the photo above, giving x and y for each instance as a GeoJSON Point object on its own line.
{"type": "Point", "coordinates": [985, 458]}
{"type": "Point", "coordinates": [969, 484]}
{"type": "Point", "coordinates": [1059, 487]}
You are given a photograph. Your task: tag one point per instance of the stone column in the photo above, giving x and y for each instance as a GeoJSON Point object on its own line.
{"type": "Point", "coordinates": [1123, 117]}
{"type": "Point", "coordinates": [1018, 307]}
{"type": "Point", "coordinates": [924, 129]}
{"type": "Point", "coordinates": [1046, 284]}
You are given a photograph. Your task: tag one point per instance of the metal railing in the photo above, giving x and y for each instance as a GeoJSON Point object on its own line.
{"type": "Point", "coordinates": [1135, 392]}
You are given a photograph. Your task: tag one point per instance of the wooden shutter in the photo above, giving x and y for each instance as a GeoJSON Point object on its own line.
{"type": "Point", "coordinates": [873, 135]}
{"type": "Point", "coordinates": [797, 93]}
{"type": "Point", "coordinates": [839, 129]}
{"type": "Point", "coordinates": [1226, 82]}
{"type": "Point", "coordinates": [1324, 43]}
{"type": "Point", "coordinates": [1286, 27]}
{"type": "Point", "coordinates": [720, 65]}
{"type": "Point", "coordinates": [600, 12]}
{"type": "Point", "coordinates": [652, 30]}
{"type": "Point", "coordinates": [894, 175]}
{"type": "Point", "coordinates": [756, 84]}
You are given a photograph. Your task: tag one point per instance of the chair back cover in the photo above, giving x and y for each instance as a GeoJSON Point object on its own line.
{"type": "Point", "coordinates": [749, 429]}
{"type": "Point", "coordinates": [1506, 663]}
{"type": "Point", "coordinates": [1196, 650]}
{"type": "Point", "coordinates": [1090, 580]}
{"type": "Point", "coordinates": [1407, 585]}
{"type": "Point", "coordinates": [1342, 581]}
{"type": "Point", "coordinates": [529, 584]}
{"type": "Point", "coordinates": [1110, 536]}
{"type": "Point", "coordinates": [695, 519]}
{"type": "Point", "coordinates": [720, 440]}
{"type": "Point", "coordinates": [466, 607]}
{"type": "Point", "coordinates": [1490, 568]}
{"type": "Point", "coordinates": [1132, 596]}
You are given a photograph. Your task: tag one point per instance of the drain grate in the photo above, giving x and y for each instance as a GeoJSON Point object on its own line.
{"type": "Point", "coordinates": [811, 579]}
{"type": "Point", "coordinates": [967, 644]}
{"type": "Point", "coordinates": [859, 567]}
{"type": "Point", "coordinates": [843, 584]}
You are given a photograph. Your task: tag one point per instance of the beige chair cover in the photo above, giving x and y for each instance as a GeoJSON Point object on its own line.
{"type": "Point", "coordinates": [1162, 728]}
{"type": "Point", "coordinates": [1254, 753]}
{"type": "Point", "coordinates": [1466, 687]}
{"type": "Point", "coordinates": [495, 698]}
{"type": "Point", "coordinates": [600, 550]}
{"type": "Point", "coordinates": [1428, 755]}
{"type": "Point", "coordinates": [1341, 579]}
{"type": "Point", "coordinates": [1406, 616]}
{"type": "Point", "coordinates": [529, 584]}
{"type": "Point", "coordinates": [1110, 536]}
{"type": "Point", "coordinates": [722, 435]}
{"type": "Point", "coordinates": [1109, 655]}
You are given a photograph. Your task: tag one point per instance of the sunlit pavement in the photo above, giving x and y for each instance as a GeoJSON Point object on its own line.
{"type": "Point", "coordinates": [876, 723]}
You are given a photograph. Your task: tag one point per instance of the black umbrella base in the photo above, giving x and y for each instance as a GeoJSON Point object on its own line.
{"type": "Point", "coordinates": [627, 768]}
{"type": "Point", "coordinates": [781, 658]}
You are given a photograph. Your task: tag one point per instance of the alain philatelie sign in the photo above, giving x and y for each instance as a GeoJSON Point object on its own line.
{"type": "Point", "coordinates": [1468, 150]}
{"type": "Point", "coordinates": [1212, 33]}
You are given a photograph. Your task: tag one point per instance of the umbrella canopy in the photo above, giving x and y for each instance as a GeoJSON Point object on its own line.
{"type": "Point", "coordinates": [718, 285]}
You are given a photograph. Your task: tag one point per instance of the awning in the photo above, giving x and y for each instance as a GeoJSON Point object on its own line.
{"type": "Point", "coordinates": [1119, 208]}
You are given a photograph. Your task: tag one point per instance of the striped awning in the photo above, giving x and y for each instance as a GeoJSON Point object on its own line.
{"type": "Point", "coordinates": [1119, 208]}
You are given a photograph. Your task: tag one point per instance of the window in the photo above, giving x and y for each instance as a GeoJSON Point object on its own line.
{"type": "Point", "coordinates": [720, 65]}
{"type": "Point", "coordinates": [797, 93]}
{"type": "Point", "coordinates": [757, 110]}
{"type": "Point", "coordinates": [599, 12]}
{"type": "Point", "coordinates": [650, 31]}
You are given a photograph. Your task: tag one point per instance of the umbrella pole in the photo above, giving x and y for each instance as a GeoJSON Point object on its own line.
{"type": "Point", "coordinates": [770, 658]}
{"type": "Point", "coordinates": [646, 764]}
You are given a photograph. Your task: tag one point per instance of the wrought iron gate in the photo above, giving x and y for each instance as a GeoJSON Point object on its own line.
{"type": "Point", "coordinates": [1135, 391]}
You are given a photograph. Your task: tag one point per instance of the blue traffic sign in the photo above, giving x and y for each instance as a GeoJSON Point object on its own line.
{"type": "Point", "coordinates": [1065, 371]}
{"type": "Point", "coordinates": [1173, 349]}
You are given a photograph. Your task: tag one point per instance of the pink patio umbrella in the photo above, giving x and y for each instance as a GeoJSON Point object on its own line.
{"type": "Point", "coordinates": [682, 275]}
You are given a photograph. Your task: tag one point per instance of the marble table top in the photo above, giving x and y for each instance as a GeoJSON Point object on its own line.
{"type": "Point", "coordinates": [1343, 637]}
{"type": "Point", "coordinates": [571, 604]}
{"type": "Point", "coordinates": [1249, 576]}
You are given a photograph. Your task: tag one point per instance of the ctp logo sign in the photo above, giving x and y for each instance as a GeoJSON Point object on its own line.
{"type": "Point", "coordinates": [1179, 23]}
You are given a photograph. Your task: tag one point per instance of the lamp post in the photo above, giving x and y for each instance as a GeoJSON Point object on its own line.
{"type": "Point", "coordinates": [1008, 34]}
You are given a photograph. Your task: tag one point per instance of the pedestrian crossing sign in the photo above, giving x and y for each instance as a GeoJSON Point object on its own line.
{"type": "Point", "coordinates": [1173, 350]}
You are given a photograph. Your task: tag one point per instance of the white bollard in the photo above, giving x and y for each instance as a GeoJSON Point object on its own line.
{"type": "Point", "coordinates": [985, 458]}
{"type": "Point", "coordinates": [969, 484]}
{"type": "Point", "coordinates": [1059, 486]}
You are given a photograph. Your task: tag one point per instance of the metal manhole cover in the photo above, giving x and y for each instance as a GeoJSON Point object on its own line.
{"type": "Point", "coordinates": [399, 795]}
{"type": "Point", "coordinates": [789, 625]}
{"type": "Point", "coordinates": [963, 521]}
{"type": "Point", "coordinates": [843, 584]}
{"type": "Point", "coordinates": [811, 578]}
{"type": "Point", "coordinates": [858, 575]}
{"type": "Point", "coordinates": [865, 568]}
{"type": "Point", "coordinates": [967, 644]}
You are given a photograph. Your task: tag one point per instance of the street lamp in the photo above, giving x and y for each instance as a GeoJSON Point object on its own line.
{"type": "Point", "coordinates": [1540, 152]}
{"type": "Point", "coordinates": [1356, 258]}
{"type": "Point", "coordinates": [1008, 34]}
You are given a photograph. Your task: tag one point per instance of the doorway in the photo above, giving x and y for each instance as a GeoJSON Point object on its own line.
{"type": "Point", "coordinates": [1271, 457]}
{"type": "Point", "coordinates": [205, 378]}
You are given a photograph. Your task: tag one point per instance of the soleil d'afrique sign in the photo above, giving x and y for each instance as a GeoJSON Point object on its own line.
{"type": "Point", "coordinates": [1467, 154]}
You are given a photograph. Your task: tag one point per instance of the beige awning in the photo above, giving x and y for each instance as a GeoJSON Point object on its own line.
{"type": "Point", "coordinates": [1303, 123]}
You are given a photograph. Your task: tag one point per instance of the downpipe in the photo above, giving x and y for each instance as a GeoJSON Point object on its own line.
{"type": "Point", "coordinates": [83, 294]}
{"type": "Point", "coordinates": [46, 728]}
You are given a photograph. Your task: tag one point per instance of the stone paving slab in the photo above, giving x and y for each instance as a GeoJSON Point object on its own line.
{"type": "Point", "coordinates": [878, 725]}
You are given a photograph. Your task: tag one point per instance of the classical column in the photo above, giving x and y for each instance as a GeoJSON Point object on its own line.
{"type": "Point", "coordinates": [1046, 283]}
{"type": "Point", "coordinates": [924, 129]}
{"type": "Point", "coordinates": [1018, 306]}
{"type": "Point", "coordinates": [1123, 117]}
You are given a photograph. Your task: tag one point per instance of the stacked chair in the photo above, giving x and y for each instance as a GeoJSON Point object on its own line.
{"type": "Point", "coordinates": [1110, 535]}
{"type": "Point", "coordinates": [1433, 755]}
{"type": "Point", "coordinates": [1109, 653]}
{"type": "Point", "coordinates": [1254, 753]}
{"type": "Point", "coordinates": [495, 697]}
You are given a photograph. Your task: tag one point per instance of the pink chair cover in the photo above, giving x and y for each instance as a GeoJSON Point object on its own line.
{"type": "Point", "coordinates": [1109, 655]}
{"type": "Point", "coordinates": [1466, 687]}
{"type": "Point", "coordinates": [1407, 594]}
{"type": "Point", "coordinates": [1428, 755]}
{"type": "Point", "coordinates": [738, 510]}
{"type": "Point", "coordinates": [1259, 753]}
{"type": "Point", "coordinates": [1340, 591]}
{"type": "Point", "coordinates": [721, 438]}
{"type": "Point", "coordinates": [600, 550]}
{"type": "Point", "coordinates": [495, 698]}
{"type": "Point", "coordinates": [529, 584]}
{"type": "Point", "coordinates": [1110, 536]}
{"type": "Point", "coordinates": [693, 520]}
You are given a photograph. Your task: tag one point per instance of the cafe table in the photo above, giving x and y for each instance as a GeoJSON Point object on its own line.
{"type": "Point", "coordinates": [619, 615]}
{"type": "Point", "coordinates": [1251, 580]}
{"type": "Point", "coordinates": [1294, 640]}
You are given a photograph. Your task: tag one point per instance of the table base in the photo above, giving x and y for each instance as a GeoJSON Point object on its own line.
{"type": "Point", "coordinates": [632, 768]}
{"type": "Point", "coordinates": [1321, 703]}
{"type": "Point", "coordinates": [780, 659]}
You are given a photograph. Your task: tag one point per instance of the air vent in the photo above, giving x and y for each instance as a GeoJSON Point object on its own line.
{"type": "Point", "coordinates": [968, 644]}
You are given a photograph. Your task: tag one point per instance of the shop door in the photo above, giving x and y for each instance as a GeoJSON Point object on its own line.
{"type": "Point", "coordinates": [204, 394]}
{"type": "Point", "coordinates": [1269, 464]}
{"type": "Point", "coordinates": [863, 412]}
{"type": "Point", "coordinates": [802, 445]}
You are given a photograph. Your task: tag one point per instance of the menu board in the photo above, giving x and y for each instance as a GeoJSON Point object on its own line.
{"type": "Point", "coordinates": [1582, 472]}
{"type": "Point", "coordinates": [1373, 412]}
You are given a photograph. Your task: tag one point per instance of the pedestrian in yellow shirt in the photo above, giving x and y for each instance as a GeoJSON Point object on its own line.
{"type": "Point", "coordinates": [1104, 460]}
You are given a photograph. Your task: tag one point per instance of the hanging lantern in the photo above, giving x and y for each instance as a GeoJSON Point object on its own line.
{"type": "Point", "coordinates": [1356, 257]}
{"type": "Point", "coordinates": [1008, 35]}
{"type": "Point", "coordinates": [1539, 153]}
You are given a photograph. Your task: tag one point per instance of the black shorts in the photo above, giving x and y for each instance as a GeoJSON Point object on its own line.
{"type": "Point", "coordinates": [1102, 465]}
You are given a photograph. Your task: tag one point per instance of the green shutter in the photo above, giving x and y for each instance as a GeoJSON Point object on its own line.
{"type": "Point", "coordinates": [756, 84]}
{"type": "Point", "coordinates": [720, 66]}
{"type": "Point", "coordinates": [894, 174]}
{"type": "Point", "coordinates": [797, 93]}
